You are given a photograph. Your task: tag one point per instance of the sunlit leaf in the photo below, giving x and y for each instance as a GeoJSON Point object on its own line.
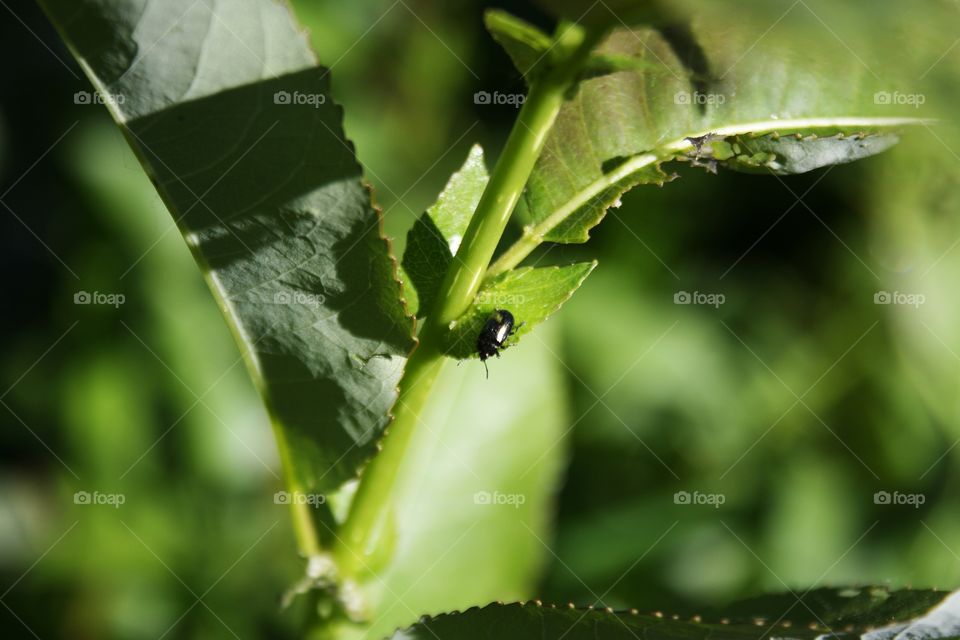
{"type": "Point", "coordinates": [435, 236]}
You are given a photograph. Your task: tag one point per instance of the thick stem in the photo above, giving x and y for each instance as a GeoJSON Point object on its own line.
{"type": "Point", "coordinates": [369, 526]}
{"type": "Point", "coordinates": [369, 523]}
{"type": "Point", "coordinates": [510, 176]}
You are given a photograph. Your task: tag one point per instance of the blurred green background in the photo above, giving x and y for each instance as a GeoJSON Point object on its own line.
{"type": "Point", "coordinates": [796, 400]}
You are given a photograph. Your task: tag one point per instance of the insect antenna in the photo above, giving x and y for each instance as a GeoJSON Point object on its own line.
{"type": "Point", "coordinates": [486, 368]}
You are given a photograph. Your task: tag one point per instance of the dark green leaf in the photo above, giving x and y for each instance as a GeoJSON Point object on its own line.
{"type": "Point", "coordinates": [850, 612]}
{"type": "Point", "coordinates": [859, 606]}
{"type": "Point", "coordinates": [234, 124]}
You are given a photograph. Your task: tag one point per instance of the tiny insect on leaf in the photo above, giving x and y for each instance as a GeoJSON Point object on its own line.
{"type": "Point", "coordinates": [498, 328]}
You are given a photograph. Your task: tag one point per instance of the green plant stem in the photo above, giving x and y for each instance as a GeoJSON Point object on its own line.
{"type": "Point", "coordinates": [368, 527]}
{"type": "Point", "coordinates": [301, 513]}
{"type": "Point", "coordinates": [510, 176]}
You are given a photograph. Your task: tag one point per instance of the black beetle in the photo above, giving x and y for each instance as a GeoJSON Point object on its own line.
{"type": "Point", "coordinates": [498, 327]}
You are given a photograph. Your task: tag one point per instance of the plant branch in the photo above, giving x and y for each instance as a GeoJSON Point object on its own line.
{"type": "Point", "coordinates": [510, 176]}
{"type": "Point", "coordinates": [367, 533]}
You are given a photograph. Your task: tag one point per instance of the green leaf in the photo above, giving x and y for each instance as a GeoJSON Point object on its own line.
{"type": "Point", "coordinates": [527, 46]}
{"type": "Point", "coordinates": [574, 221]}
{"type": "Point", "coordinates": [234, 124]}
{"type": "Point", "coordinates": [530, 294]}
{"type": "Point", "coordinates": [746, 83]}
{"type": "Point", "coordinates": [842, 611]}
{"type": "Point", "coordinates": [470, 512]}
{"type": "Point", "coordinates": [435, 236]}
{"type": "Point", "coordinates": [859, 606]}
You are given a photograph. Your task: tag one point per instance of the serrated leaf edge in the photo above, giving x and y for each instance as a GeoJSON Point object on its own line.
{"type": "Point", "coordinates": [304, 33]}
{"type": "Point", "coordinates": [695, 619]}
